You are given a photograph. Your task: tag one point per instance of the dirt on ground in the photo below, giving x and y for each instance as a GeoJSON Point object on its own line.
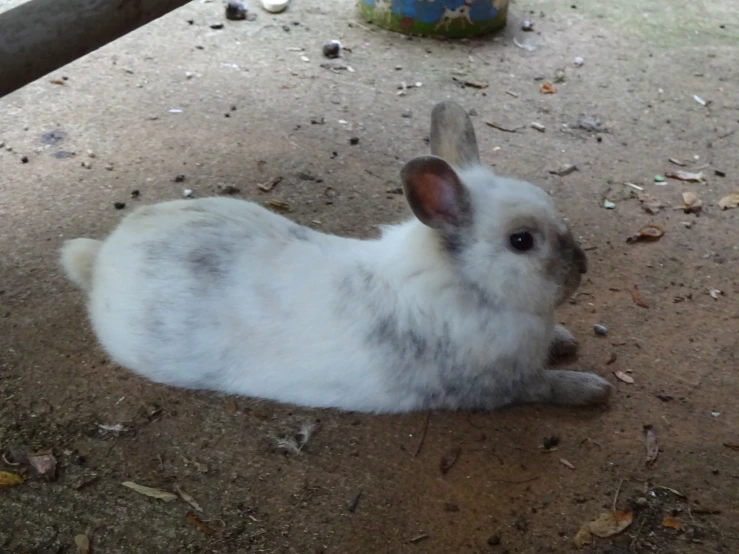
{"type": "Point", "coordinates": [180, 105]}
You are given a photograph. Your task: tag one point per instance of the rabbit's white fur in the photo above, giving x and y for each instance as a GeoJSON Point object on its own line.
{"type": "Point", "coordinates": [223, 294]}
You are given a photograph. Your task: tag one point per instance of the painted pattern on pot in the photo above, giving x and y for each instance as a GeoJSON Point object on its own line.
{"type": "Point", "coordinates": [455, 18]}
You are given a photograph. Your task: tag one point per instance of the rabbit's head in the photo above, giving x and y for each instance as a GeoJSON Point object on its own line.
{"type": "Point", "coordinates": [505, 237]}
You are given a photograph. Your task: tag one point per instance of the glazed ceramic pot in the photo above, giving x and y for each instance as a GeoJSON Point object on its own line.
{"type": "Point", "coordinates": [443, 18]}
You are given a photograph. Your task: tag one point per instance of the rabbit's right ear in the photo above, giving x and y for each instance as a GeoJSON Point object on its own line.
{"type": "Point", "coordinates": [453, 135]}
{"type": "Point", "coordinates": [436, 194]}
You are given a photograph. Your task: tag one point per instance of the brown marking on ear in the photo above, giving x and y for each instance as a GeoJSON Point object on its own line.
{"type": "Point", "coordinates": [434, 192]}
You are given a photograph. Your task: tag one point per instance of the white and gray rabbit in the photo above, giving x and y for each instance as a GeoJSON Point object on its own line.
{"type": "Point", "coordinates": [451, 310]}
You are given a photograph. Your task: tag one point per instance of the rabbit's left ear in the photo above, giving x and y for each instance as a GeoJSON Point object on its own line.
{"type": "Point", "coordinates": [453, 135]}
{"type": "Point", "coordinates": [436, 194]}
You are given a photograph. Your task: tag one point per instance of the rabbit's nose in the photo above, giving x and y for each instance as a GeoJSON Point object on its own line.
{"type": "Point", "coordinates": [580, 259]}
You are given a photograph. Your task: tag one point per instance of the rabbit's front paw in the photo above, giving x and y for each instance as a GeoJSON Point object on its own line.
{"type": "Point", "coordinates": [568, 388]}
{"type": "Point", "coordinates": [575, 388]}
{"type": "Point", "coordinates": [564, 344]}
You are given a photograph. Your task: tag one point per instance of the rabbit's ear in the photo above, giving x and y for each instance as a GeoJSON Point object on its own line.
{"type": "Point", "coordinates": [435, 193]}
{"type": "Point", "coordinates": [453, 136]}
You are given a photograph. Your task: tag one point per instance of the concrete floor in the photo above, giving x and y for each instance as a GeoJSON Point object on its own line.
{"type": "Point", "coordinates": [252, 109]}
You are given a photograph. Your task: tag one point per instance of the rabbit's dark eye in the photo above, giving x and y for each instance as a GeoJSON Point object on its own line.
{"type": "Point", "coordinates": [523, 241]}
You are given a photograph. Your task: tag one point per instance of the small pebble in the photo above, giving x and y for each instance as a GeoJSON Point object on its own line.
{"type": "Point", "coordinates": [275, 6]}
{"type": "Point", "coordinates": [217, 26]}
{"type": "Point", "coordinates": [527, 25]}
{"type": "Point", "coordinates": [354, 141]}
{"type": "Point", "coordinates": [332, 49]}
{"type": "Point", "coordinates": [109, 166]}
{"type": "Point", "coordinates": [641, 501]}
{"type": "Point", "coordinates": [135, 193]}
{"type": "Point", "coordinates": [91, 154]}
{"type": "Point", "coordinates": [119, 205]}
{"type": "Point", "coordinates": [600, 330]}
{"type": "Point", "coordinates": [236, 11]}
{"type": "Point", "coordinates": [187, 193]}
{"type": "Point", "coordinates": [87, 165]}
{"type": "Point", "coordinates": [579, 62]}
{"type": "Point", "coordinates": [472, 112]}
{"type": "Point", "coordinates": [179, 179]}
{"type": "Point", "coordinates": [407, 114]}
{"type": "Point", "coordinates": [24, 159]}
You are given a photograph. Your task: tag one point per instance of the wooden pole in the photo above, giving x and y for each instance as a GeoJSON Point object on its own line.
{"type": "Point", "coordinates": [40, 36]}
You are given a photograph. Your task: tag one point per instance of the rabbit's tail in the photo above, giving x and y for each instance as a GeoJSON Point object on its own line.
{"type": "Point", "coordinates": [78, 260]}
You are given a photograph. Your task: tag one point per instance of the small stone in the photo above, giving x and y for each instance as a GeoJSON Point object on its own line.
{"type": "Point", "coordinates": [608, 205]}
{"type": "Point", "coordinates": [109, 166]}
{"type": "Point", "coordinates": [578, 62]}
{"type": "Point", "coordinates": [641, 501]}
{"type": "Point", "coordinates": [91, 154]}
{"type": "Point", "coordinates": [86, 165]}
{"type": "Point", "coordinates": [332, 49]}
{"type": "Point", "coordinates": [527, 25]}
{"type": "Point", "coordinates": [24, 159]}
{"type": "Point", "coordinates": [187, 193]}
{"type": "Point", "coordinates": [275, 6]}
{"type": "Point", "coordinates": [119, 205]}
{"type": "Point", "coordinates": [189, 75]}
{"type": "Point", "coordinates": [216, 26]}
{"type": "Point", "coordinates": [136, 193]}
{"type": "Point", "coordinates": [494, 540]}
{"type": "Point", "coordinates": [179, 179]}
{"type": "Point", "coordinates": [600, 330]}
{"type": "Point", "coordinates": [236, 11]}
{"type": "Point", "coordinates": [354, 141]}
{"type": "Point", "coordinates": [398, 67]}
{"type": "Point", "coordinates": [407, 114]}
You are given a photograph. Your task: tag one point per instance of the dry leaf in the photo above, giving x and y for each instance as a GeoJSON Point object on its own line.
{"type": "Point", "coordinates": [650, 204]}
{"type": "Point", "coordinates": [8, 479]}
{"type": "Point", "coordinates": [44, 463]}
{"type": "Point", "coordinates": [605, 525]}
{"type": "Point", "coordinates": [503, 128]}
{"type": "Point", "coordinates": [279, 205]}
{"type": "Point", "coordinates": [620, 375]}
{"type": "Point", "coordinates": [566, 463]}
{"type": "Point", "coordinates": [729, 202]}
{"type": "Point", "coordinates": [269, 185]}
{"type": "Point", "coordinates": [685, 176]}
{"type": "Point", "coordinates": [672, 523]}
{"type": "Point", "coordinates": [148, 491]}
{"type": "Point", "coordinates": [638, 300]}
{"type": "Point", "coordinates": [647, 233]}
{"type": "Point", "coordinates": [195, 521]}
{"type": "Point", "coordinates": [692, 203]}
{"type": "Point", "coordinates": [449, 459]}
{"type": "Point", "coordinates": [563, 170]}
{"type": "Point", "coordinates": [472, 84]}
{"type": "Point", "coordinates": [651, 445]}
{"type": "Point", "coordinates": [547, 88]}
{"type": "Point", "coordinates": [83, 544]}
{"type": "Point", "coordinates": [673, 491]}
{"type": "Point", "coordinates": [189, 499]}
